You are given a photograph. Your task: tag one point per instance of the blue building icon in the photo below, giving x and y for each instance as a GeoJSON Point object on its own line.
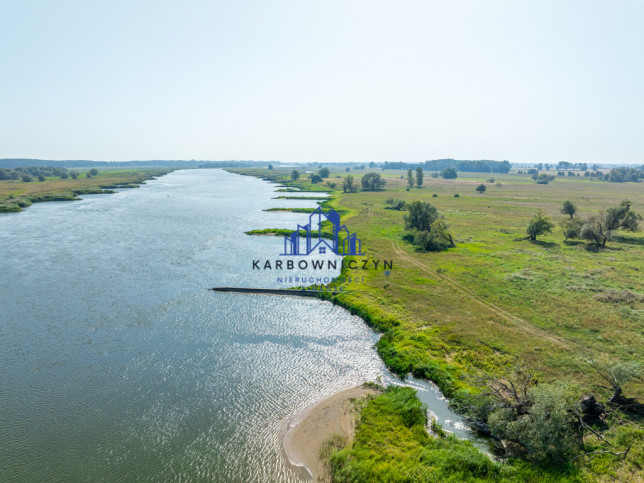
{"type": "Point", "coordinates": [350, 243]}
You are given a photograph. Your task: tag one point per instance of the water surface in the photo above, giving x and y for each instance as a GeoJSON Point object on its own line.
{"type": "Point", "coordinates": [116, 363]}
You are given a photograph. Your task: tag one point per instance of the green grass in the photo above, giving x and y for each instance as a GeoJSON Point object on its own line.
{"type": "Point", "coordinates": [391, 444]}
{"type": "Point", "coordinates": [440, 320]}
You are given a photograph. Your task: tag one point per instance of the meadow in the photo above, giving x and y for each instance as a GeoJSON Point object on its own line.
{"type": "Point", "coordinates": [497, 300]}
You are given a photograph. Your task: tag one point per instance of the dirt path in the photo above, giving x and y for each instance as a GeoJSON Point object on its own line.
{"type": "Point", "coordinates": [522, 324]}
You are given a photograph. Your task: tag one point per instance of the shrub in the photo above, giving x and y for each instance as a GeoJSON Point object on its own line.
{"type": "Point", "coordinates": [481, 188]}
{"type": "Point", "coordinates": [456, 195]}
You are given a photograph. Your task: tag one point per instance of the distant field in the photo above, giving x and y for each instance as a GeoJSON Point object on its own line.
{"type": "Point", "coordinates": [55, 185]}
{"type": "Point", "coordinates": [498, 300]}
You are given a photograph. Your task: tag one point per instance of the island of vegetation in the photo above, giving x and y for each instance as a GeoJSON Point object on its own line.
{"type": "Point", "coordinates": [22, 186]}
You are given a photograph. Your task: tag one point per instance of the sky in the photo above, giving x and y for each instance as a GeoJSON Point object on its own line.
{"type": "Point", "coordinates": [323, 81]}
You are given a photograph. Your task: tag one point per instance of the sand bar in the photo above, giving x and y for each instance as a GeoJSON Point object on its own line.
{"type": "Point", "coordinates": [309, 430]}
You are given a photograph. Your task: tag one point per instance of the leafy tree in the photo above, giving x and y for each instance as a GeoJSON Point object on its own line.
{"type": "Point", "coordinates": [348, 185]}
{"type": "Point", "coordinates": [316, 178]}
{"type": "Point", "coordinates": [372, 181]}
{"type": "Point", "coordinates": [73, 175]}
{"type": "Point", "coordinates": [449, 173]}
{"type": "Point", "coordinates": [410, 178]}
{"type": "Point", "coordinates": [26, 178]}
{"type": "Point", "coordinates": [481, 188]}
{"type": "Point", "coordinates": [88, 175]}
{"type": "Point", "coordinates": [600, 229]}
{"type": "Point", "coordinates": [539, 225]}
{"type": "Point", "coordinates": [295, 175]}
{"type": "Point", "coordinates": [93, 171]}
{"type": "Point", "coordinates": [324, 172]}
{"type": "Point", "coordinates": [568, 208]}
{"type": "Point", "coordinates": [64, 176]}
{"type": "Point", "coordinates": [543, 424]}
{"type": "Point", "coordinates": [270, 166]}
{"type": "Point", "coordinates": [347, 169]}
{"type": "Point", "coordinates": [616, 373]}
{"type": "Point", "coordinates": [41, 178]}
{"type": "Point", "coordinates": [4, 174]}
{"type": "Point", "coordinates": [420, 216]}
{"type": "Point", "coordinates": [419, 176]}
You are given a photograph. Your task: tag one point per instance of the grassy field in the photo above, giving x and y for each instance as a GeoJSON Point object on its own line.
{"type": "Point", "coordinates": [54, 188]}
{"type": "Point", "coordinates": [497, 300]}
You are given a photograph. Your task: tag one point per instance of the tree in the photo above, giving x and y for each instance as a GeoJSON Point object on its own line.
{"type": "Point", "coordinates": [324, 172]}
{"type": "Point", "coordinates": [420, 216]}
{"type": "Point", "coordinates": [295, 175]}
{"type": "Point", "coordinates": [316, 178]}
{"type": "Point", "coordinates": [64, 176]}
{"type": "Point", "coordinates": [481, 188]}
{"type": "Point", "coordinates": [73, 175]}
{"type": "Point", "coordinates": [449, 173]}
{"type": "Point", "coordinates": [270, 166]}
{"type": "Point", "coordinates": [372, 181]}
{"type": "Point", "coordinates": [539, 225]}
{"type": "Point", "coordinates": [26, 178]}
{"type": "Point", "coordinates": [348, 186]}
{"type": "Point", "coordinates": [4, 174]}
{"type": "Point", "coordinates": [419, 176]}
{"type": "Point", "coordinates": [600, 229]}
{"type": "Point", "coordinates": [41, 178]}
{"type": "Point", "coordinates": [93, 171]}
{"type": "Point", "coordinates": [410, 178]}
{"type": "Point", "coordinates": [88, 175]}
{"type": "Point", "coordinates": [568, 208]}
{"type": "Point", "coordinates": [616, 373]}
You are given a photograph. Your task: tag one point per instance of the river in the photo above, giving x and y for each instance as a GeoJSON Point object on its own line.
{"type": "Point", "coordinates": [117, 363]}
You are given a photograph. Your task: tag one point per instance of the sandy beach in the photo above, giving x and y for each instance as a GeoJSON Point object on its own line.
{"type": "Point", "coordinates": [309, 430]}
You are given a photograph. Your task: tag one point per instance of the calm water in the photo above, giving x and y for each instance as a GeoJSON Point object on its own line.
{"type": "Point", "coordinates": [116, 363]}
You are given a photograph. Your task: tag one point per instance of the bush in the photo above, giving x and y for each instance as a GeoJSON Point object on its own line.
{"type": "Point", "coordinates": [572, 227]}
{"type": "Point", "coordinates": [481, 188]}
{"type": "Point", "coordinates": [27, 179]}
{"type": "Point", "coordinates": [316, 178]}
{"type": "Point", "coordinates": [93, 171]}
{"type": "Point", "coordinates": [438, 238]}
{"type": "Point", "coordinates": [456, 195]}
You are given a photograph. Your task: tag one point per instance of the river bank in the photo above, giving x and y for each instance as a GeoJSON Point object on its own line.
{"type": "Point", "coordinates": [334, 416]}
{"type": "Point", "coordinates": [16, 195]}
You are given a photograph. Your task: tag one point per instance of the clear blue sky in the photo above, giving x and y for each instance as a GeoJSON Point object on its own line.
{"type": "Point", "coordinates": [327, 81]}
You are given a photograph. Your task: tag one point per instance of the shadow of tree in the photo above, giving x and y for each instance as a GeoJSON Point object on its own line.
{"type": "Point", "coordinates": [629, 240]}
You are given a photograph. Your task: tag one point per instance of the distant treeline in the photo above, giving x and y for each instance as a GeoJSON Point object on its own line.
{"type": "Point", "coordinates": [480, 166]}
{"type": "Point", "coordinates": [81, 163]}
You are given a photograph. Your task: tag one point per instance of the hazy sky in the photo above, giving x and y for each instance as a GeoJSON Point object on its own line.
{"type": "Point", "coordinates": [323, 81]}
